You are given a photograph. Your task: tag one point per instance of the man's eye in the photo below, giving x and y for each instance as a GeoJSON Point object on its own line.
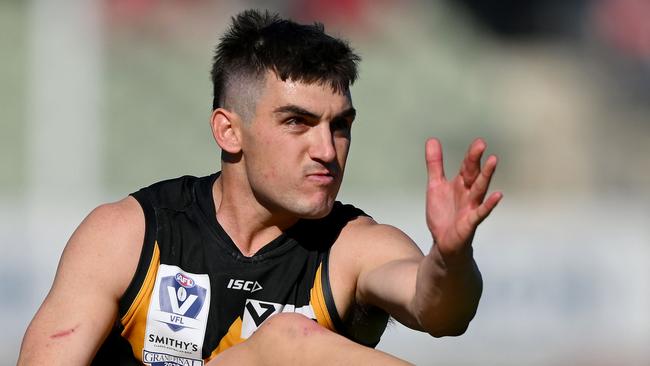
{"type": "Point", "coordinates": [294, 121]}
{"type": "Point", "coordinates": [340, 124]}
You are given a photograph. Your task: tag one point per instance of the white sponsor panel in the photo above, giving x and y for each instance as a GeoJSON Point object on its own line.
{"type": "Point", "coordinates": [177, 318]}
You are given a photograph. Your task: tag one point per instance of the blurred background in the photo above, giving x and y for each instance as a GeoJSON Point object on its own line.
{"type": "Point", "coordinates": [100, 98]}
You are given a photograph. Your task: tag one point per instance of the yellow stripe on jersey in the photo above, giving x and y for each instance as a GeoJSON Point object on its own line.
{"type": "Point", "coordinates": [135, 319]}
{"type": "Point", "coordinates": [233, 337]}
{"type": "Point", "coordinates": [317, 302]}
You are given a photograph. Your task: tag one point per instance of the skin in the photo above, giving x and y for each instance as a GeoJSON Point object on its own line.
{"type": "Point", "coordinates": [287, 336]}
{"type": "Point", "coordinates": [285, 164]}
{"type": "Point", "coordinates": [95, 269]}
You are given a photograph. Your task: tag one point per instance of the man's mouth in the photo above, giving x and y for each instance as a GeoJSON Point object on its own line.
{"type": "Point", "coordinates": [324, 177]}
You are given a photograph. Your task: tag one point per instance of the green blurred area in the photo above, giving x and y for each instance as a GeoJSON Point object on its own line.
{"type": "Point", "coordinates": [13, 76]}
{"type": "Point", "coordinates": [158, 104]}
{"type": "Point", "coordinates": [546, 109]}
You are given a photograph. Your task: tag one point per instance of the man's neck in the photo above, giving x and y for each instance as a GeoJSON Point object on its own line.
{"type": "Point", "coordinates": [250, 225]}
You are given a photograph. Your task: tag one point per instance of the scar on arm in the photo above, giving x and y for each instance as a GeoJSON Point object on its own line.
{"type": "Point", "coordinates": [64, 333]}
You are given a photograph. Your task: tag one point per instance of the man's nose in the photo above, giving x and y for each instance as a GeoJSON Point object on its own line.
{"type": "Point", "coordinates": [322, 147]}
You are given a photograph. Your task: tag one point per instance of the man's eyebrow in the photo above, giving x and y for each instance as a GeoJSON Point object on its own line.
{"type": "Point", "coordinates": [294, 109]}
{"type": "Point", "coordinates": [348, 113]}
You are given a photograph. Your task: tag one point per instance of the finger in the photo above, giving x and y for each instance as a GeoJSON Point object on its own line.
{"type": "Point", "coordinates": [482, 182]}
{"type": "Point", "coordinates": [433, 156]}
{"type": "Point", "coordinates": [484, 210]}
{"type": "Point", "coordinates": [471, 166]}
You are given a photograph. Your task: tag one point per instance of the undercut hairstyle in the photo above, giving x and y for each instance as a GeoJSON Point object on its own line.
{"type": "Point", "coordinates": [258, 42]}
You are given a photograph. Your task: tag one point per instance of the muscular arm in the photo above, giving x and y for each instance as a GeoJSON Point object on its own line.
{"type": "Point", "coordinates": [439, 292]}
{"type": "Point", "coordinates": [94, 271]}
{"type": "Point", "coordinates": [422, 292]}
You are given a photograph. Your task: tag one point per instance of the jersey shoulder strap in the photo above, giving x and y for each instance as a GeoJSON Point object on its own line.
{"type": "Point", "coordinates": [176, 194]}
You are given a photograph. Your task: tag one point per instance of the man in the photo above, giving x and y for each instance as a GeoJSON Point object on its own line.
{"type": "Point", "coordinates": [258, 264]}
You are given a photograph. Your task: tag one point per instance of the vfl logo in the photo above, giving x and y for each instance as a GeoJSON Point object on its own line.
{"type": "Point", "coordinates": [182, 299]}
{"type": "Point", "coordinates": [244, 285]}
{"type": "Point", "coordinates": [260, 311]}
{"type": "Point", "coordinates": [256, 312]}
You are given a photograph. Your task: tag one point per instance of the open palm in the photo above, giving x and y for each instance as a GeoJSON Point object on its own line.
{"type": "Point", "coordinates": [454, 208]}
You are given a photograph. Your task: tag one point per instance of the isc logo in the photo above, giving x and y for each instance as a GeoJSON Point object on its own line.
{"type": "Point", "coordinates": [251, 286]}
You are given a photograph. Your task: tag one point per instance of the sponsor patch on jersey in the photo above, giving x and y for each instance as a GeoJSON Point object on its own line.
{"type": "Point", "coordinates": [256, 312]}
{"type": "Point", "coordinates": [250, 286]}
{"type": "Point", "coordinates": [177, 318]}
{"type": "Point", "coordinates": [163, 359]}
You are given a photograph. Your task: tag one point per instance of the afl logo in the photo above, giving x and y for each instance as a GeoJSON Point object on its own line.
{"type": "Point", "coordinates": [184, 280]}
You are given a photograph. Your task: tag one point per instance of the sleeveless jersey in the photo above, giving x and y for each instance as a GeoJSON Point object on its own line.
{"type": "Point", "coordinates": [194, 294]}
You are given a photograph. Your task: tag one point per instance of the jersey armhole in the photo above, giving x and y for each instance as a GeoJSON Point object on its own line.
{"type": "Point", "coordinates": [339, 326]}
{"type": "Point", "coordinates": [346, 213]}
{"type": "Point", "coordinates": [146, 254]}
{"type": "Point", "coordinates": [329, 298]}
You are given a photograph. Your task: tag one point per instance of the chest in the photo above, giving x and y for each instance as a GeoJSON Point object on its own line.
{"type": "Point", "coordinates": [204, 296]}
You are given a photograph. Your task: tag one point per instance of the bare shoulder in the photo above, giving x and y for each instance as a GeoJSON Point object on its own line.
{"type": "Point", "coordinates": [95, 269]}
{"type": "Point", "coordinates": [369, 242]}
{"type": "Point", "coordinates": [362, 246]}
{"type": "Point", "coordinates": [108, 241]}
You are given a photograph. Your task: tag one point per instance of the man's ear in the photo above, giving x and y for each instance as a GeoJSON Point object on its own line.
{"type": "Point", "coordinates": [226, 131]}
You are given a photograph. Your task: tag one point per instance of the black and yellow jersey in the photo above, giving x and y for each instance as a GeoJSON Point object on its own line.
{"type": "Point", "coordinates": [194, 294]}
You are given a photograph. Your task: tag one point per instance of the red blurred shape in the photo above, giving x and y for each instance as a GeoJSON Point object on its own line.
{"type": "Point", "coordinates": [625, 24]}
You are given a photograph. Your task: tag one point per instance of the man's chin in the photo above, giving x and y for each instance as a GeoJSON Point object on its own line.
{"type": "Point", "coordinates": [317, 211]}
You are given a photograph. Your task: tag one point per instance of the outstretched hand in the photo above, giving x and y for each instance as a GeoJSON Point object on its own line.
{"type": "Point", "coordinates": [454, 208]}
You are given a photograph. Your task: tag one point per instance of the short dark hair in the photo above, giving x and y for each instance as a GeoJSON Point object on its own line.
{"type": "Point", "coordinates": [260, 41]}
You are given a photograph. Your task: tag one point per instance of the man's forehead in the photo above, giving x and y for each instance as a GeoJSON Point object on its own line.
{"type": "Point", "coordinates": [317, 94]}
